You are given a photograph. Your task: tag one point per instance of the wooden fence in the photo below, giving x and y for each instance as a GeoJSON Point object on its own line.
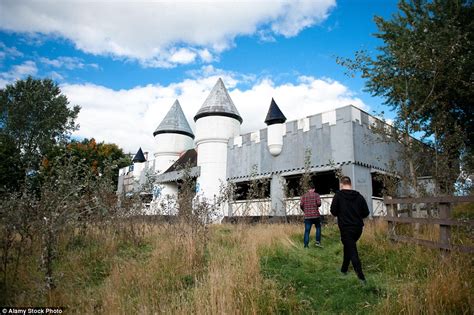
{"type": "Point", "coordinates": [435, 211]}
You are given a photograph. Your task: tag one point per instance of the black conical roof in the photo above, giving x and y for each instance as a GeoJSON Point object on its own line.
{"type": "Point", "coordinates": [139, 157]}
{"type": "Point", "coordinates": [274, 115]}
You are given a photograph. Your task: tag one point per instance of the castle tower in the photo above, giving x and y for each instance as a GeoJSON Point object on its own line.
{"type": "Point", "coordinates": [173, 136]}
{"type": "Point", "coordinates": [216, 122]}
{"type": "Point", "coordinates": [138, 163]}
{"type": "Point", "coordinates": [275, 121]}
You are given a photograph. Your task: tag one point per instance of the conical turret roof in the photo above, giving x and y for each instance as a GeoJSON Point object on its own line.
{"type": "Point", "coordinates": [218, 103]}
{"type": "Point", "coordinates": [174, 122]}
{"type": "Point", "coordinates": [139, 157]}
{"type": "Point", "coordinates": [274, 115]}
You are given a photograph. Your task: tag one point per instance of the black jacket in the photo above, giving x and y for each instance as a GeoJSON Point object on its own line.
{"type": "Point", "coordinates": [349, 207]}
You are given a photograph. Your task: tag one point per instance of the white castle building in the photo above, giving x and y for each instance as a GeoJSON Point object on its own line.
{"type": "Point", "coordinates": [340, 140]}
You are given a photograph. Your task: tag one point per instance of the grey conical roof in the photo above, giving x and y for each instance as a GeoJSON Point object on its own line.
{"type": "Point", "coordinates": [139, 157]}
{"type": "Point", "coordinates": [174, 122]}
{"type": "Point", "coordinates": [218, 103]}
{"type": "Point", "coordinates": [274, 115]}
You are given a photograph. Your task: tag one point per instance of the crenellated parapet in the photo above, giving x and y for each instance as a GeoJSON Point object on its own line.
{"type": "Point", "coordinates": [337, 137]}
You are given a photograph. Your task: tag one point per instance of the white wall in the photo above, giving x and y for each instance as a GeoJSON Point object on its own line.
{"type": "Point", "coordinates": [212, 136]}
{"type": "Point", "coordinates": [169, 148]}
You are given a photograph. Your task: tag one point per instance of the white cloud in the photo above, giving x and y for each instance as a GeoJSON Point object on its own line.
{"type": "Point", "coordinates": [56, 76]}
{"type": "Point", "coordinates": [18, 72]}
{"type": "Point", "coordinates": [183, 56]}
{"type": "Point", "coordinates": [9, 52]}
{"type": "Point", "coordinates": [161, 33]}
{"type": "Point", "coordinates": [129, 117]}
{"type": "Point", "coordinates": [69, 63]}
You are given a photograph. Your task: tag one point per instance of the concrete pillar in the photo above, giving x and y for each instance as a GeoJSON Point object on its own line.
{"type": "Point", "coordinates": [362, 182]}
{"type": "Point", "coordinates": [277, 195]}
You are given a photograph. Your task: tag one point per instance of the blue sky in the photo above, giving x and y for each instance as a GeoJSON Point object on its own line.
{"type": "Point", "coordinates": [125, 62]}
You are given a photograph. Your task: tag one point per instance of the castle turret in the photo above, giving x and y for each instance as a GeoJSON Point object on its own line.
{"type": "Point", "coordinates": [173, 136]}
{"type": "Point", "coordinates": [275, 121]}
{"type": "Point", "coordinates": [216, 122]}
{"type": "Point", "coordinates": [138, 163]}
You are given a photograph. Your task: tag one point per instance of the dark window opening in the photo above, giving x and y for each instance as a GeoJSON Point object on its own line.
{"type": "Point", "coordinates": [257, 189]}
{"type": "Point", "coordinates": [384, 185]}
{"type": "Point", "coordinates": [293, 186]}
{"type": "Point", "coordinates": [377, 186]}
{"type": "Point", "coordinates": [325, 183]}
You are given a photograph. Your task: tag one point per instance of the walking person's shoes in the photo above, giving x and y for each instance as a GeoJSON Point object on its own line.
{"type": "Point", "coordinates": [363, 282]}
{"type": "Point", "coordinates": [318, 244]}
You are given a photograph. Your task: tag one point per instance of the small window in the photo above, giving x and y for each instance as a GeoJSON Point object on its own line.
{"type": "Point", "coordinates": [377, 186]}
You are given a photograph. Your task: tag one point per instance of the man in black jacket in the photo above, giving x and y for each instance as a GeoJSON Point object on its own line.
{"type": "Point", "coordinates": [350, 208]}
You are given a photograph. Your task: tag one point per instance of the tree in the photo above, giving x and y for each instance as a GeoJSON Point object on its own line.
{"type": "Point", "coordinates": [424, 70]}
{"type": "Point", "coordinates": [35, 116]}
{"type": "Point", "coordinates": [11, 174]}
{"type": "Point", "coordinates": [99, 156]}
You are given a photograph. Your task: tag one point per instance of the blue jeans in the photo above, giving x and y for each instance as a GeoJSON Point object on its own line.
{"type": "Point", "coordinates": [308, 223]}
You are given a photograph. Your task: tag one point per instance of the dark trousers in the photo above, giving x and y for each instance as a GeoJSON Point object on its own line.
{"type": "Point", "coordinates": [349, 237]}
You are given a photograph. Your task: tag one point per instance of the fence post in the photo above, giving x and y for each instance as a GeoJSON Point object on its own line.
{"type": "Point", "coordinates": [445, 230]}
{"type": "Point", "coordinates": [392, 212]}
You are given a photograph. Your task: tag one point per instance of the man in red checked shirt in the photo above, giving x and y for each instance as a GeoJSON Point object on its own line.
{"type": "Point", "coordinates": [309, 203]}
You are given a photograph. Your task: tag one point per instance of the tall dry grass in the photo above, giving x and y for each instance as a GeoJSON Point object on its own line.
{"type": "Point", "coordinates": [423, 281]}
{"type": "Point", "coordinates": [178, 279]}
{"type": "Point", "coordinates": [168, 268]}
{"type": "Point", "coordinates": [175, 275]}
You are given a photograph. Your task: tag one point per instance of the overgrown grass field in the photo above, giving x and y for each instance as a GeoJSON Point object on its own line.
{"type": "Point", "coordinates": [242, 269]}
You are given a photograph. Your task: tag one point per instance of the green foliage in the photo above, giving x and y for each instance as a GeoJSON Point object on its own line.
{"type": "Point", "coordinates": [98, 156]}
{"type": "Point", "coordinates": [69, 194]}
{"type": "Point", "coordinates": [464, 211]}
{"type": "Point", "coordinates": [36, 116]}
{"type": "Point", "coordinates": [11, 168]}
{"type": "Point", "coordinates": [306, 176]}
{"type": "Point", "coordinates": [424, 71]}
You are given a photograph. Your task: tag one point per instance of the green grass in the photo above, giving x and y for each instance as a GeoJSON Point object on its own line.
{"type": "Point", "coordinates": [464, 211]}
{"type": "Point", "coordinates": [313, 276]}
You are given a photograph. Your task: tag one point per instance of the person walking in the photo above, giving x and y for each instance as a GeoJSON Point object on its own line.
{"type": "Point", "coordinates": [350, 208]}
{"type": "Point", "coordinates": [310, 203]}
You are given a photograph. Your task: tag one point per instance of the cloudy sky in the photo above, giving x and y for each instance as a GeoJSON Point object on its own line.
{"type": "Point", "coordinates": [125, 62]}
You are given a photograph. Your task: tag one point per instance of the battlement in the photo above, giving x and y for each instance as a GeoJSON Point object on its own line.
{"type": "Point", "coordinates": [335, 137]}
{"type": "Point", "coordinates": [348, 113]}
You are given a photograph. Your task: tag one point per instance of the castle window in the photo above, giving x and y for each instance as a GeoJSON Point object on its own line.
{"type": "Point", "coordinates": [325, 182]}
{"type": "Point", "coordinates": [257, 189]}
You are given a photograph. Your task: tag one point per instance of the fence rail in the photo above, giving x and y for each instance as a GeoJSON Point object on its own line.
{"type": "Point", "coordinates": [443, 205]}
